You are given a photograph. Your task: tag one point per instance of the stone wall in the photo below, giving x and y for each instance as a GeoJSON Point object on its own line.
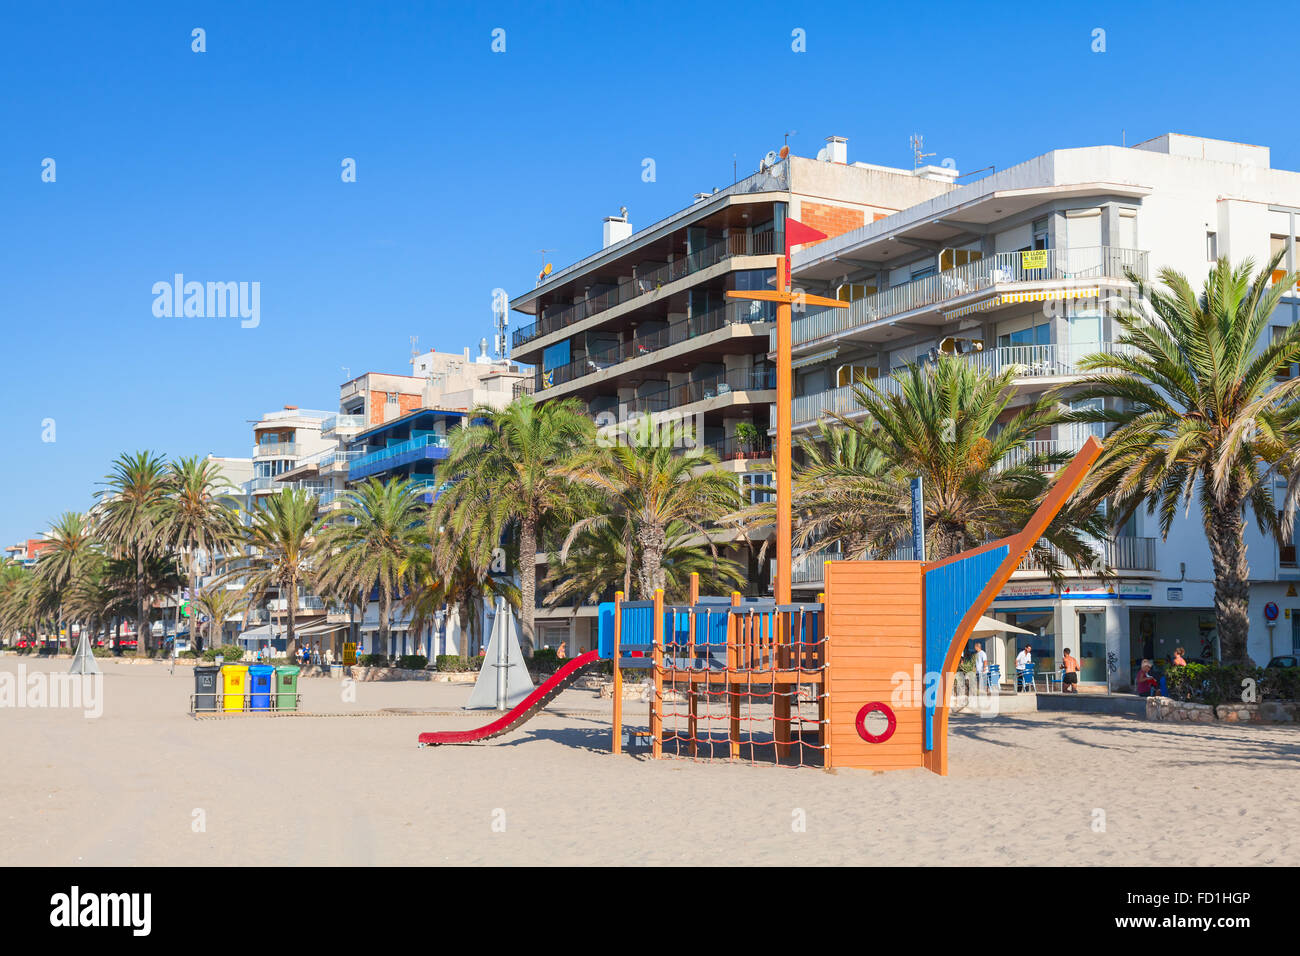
{"type": "Point", "coordinates": [1266, 712]}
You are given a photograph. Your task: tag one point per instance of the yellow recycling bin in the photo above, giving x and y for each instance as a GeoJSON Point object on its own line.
{"type": "Point", "coordinates": [234, 684]}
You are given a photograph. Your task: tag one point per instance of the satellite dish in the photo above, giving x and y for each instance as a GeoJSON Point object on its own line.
{"type": "Point", "coordinates": [769, 159]}
{"type": "Point", "coordinates": [546, 269]}
{"type": "Point", "coordinates": [785, 151]}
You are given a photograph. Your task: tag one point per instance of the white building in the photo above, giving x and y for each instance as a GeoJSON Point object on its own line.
{"type": "Point", "coordinates": [1014, 270]}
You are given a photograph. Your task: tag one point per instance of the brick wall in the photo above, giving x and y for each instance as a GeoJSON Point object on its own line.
{"type": "Point", "coordinates": [379, 401]}
{"type": "Point", "coordinates": [832, 220]}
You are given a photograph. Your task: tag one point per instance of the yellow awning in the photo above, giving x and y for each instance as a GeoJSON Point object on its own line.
{"type": "Point", "coordinates": [1042, 295]}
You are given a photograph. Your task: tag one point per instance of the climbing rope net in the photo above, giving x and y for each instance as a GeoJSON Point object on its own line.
{"type": "Point", "coordinates": [743, 682]}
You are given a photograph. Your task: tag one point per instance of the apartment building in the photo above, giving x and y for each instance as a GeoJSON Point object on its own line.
{"type": "Point", "coordinates": [643, 328]}
{"type": "Point", "coordinates": [1023, 269]}
{"type": "Point", "coordinates": [27, 551]}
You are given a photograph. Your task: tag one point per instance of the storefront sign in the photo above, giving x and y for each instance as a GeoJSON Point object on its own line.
{"type": "Point", "coordinates": [1174, 594]}
{"type": "Point", "coordinates": [349, 653]}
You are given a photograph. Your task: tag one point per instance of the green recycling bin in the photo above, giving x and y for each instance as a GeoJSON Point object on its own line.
{"type": "Point", "coordinates": [286, 687]}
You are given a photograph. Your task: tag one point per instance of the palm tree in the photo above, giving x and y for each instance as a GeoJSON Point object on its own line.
{"type": "Point", "coordinates": [597, 564]}
{"type": "Point", "coordinates": [1199, 412]}
{"type": "Point", "coordinates": [13, 613]}
{"type": "Point", "coordinates": [71, 541]}
{"type": "Point", "coordinates": [368, 544]}
{"type": "Point", "coordinates": [218, 604]}
{"type": "Point", "coordinates": [508, 473]}
{"type": "Point", "coordinates": [446, 574]}
{"type": "Point", "coordinates": [197, 516]}
{"type": "Point", "coordinates": [92, 597]}
{"type": "Point", "coordinates": [833, 459]}
{"type": "Point", "coordinates": [981, 477]}
{"type": "Point", "coordinates": [644, 479]}
{"type": "Point", "coordinates": [128, 518]}
{"type": "Point", "coordinates": [282, 538]}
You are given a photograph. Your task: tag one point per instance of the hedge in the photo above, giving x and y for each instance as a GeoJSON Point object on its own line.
{"type": "Point", "coordinates": [455, 664]}
{"type": "Point", "coordinates": [1221, 683]}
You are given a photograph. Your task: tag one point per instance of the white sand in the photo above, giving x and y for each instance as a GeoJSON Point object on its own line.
{"type": "Point", "coordinates": [122, 790]}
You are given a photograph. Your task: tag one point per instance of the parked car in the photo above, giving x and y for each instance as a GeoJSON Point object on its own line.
{"type": "Point", "coordinates": [1287, 660]}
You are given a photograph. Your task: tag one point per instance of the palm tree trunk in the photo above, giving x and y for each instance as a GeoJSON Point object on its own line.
{"type": "Point", "coordinates": [385, 632]}
{"type": "Point", "coordinates": [1225, 529]}
{"type": "Point", "coordinates": [291, 641]}
{"type": "Point", "coordinates": [528, 580]}
{"type": "Point", "coordinates": [142, 634]}
{"type": "Point", "coordinates": [650, 575]}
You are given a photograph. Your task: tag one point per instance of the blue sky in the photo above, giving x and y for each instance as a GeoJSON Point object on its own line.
{"type": "Point", "coordinates": [225, 166]}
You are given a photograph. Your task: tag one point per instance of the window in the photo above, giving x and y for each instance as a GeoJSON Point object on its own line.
{"type": "Point", "coordinates": [851, 374]}
{"type": "Point", "coordinates": [1284, 372]}
{"type": "Point", "coordinates": [1278, 244]}
{"type": "Point", "coordinates": [757, 487]}
{"type": "Point", "coordinates": [392, 398]}
{"type": "Point", "coordinates": [1040, 233]}
{"type": "Point", "coordinates": [1211, 247]}
{"type": "Point", "coordinates": [950, 258]}
{"type": "Point", "coordinates": [852, 291]}
{"type": "Point", "coordinates": [923, 272]}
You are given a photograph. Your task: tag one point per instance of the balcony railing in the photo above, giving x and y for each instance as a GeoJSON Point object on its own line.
{"type": "Point", "coordinates": [809, 409]}
{"type": "Point", "coordinates": [741, 244]}
{"type": "Point", "coordinates": [276, 449]}
{"type": "Point", "coordinates": [733, 449]}
{"type": "Point", "coordinates": [733, 313]}
{"type": "Point", "coordinates": [1122, 553]}
{"type": "Point", "coordinates": [674, 396]}
{"type": "Point", "coordinates": [1040, 361]}
{"type": "Point", "coordinates": [264, 483]}
{"type": "Point", "coordinates": [1006, 268]}
{"type": "Point", "coordinates": [346, 422]}
{"type": "Point", "coordinates": [340, 456]}
{"type": "Point", "coordinates": [367, 464]}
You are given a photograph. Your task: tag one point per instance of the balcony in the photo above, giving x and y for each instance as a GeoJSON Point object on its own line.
{"type": "Point", "coordinates": [340, 458]}
{"type": "Point", "coordinates": [807, 410]}
{"type": "Point", "coordinates": [735, 313]}
{"type": "Point", "coordinates": [1032, 366]}
{"type": "Point", "coordinates": [276, 449]}
{"type": "Point", "coordinates": [741, 244]}
{"type": "Point", "coordinates": [976, 286]}
{"type": "Point", "coordinates": [1123, 553]}
{"type": "Point", "coordinates": [265, 483]}
{"type": "Point", "coordinates": [414, 449]}
{"type": "Point", "coordinates": [336, 423]}
{"type": "Point", "coordinates": [733, 449]}
{"type": "Point", "coordinates": [675, 396]}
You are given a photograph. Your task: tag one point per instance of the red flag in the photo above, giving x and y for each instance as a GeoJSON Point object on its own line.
{"type": "Point", "coordinates": [796, 233]}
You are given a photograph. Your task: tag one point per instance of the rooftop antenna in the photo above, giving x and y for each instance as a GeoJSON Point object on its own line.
{"type": "Point", "coordinates": [501, 319]}
{"type": "Point", "coordinates": [788, 134]}
{"type": "Point", "coordinates": [347, 372]}
{"type": "Point", "coordinates": [919, 157]}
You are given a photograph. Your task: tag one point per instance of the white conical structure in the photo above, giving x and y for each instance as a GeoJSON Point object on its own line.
{"type": "Point", "coordinates": [83, 662]}
{"type": "Point", "coordinates": [503, 681]}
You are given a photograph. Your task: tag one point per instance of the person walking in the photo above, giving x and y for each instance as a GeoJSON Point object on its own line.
{"type": "Point", "coordinates": [1070, 675]}
{"type": "Point", "coordinates": [981, 668]}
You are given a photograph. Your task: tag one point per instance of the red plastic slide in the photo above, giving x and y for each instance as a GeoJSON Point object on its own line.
{"type": "Point", "coordinates": [523, 711]}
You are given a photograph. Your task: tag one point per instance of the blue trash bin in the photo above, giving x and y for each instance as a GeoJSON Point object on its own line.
{"type": "Point", "coordinates": [260, 679]}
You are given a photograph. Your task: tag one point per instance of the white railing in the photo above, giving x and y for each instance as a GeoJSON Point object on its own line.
{"type": "Point", "coordinates": [1040, 361]}
{"type": "Point", "coordinates": [810, 409]}
{"type": "Point", "coordinates": [281, 449]}
{"type": "Point", "coordinates": [1007, 268]}
{"type": "Point", "coordinates": [335, 422]}
{"type": "Point", "coordinates": [1122, 553]}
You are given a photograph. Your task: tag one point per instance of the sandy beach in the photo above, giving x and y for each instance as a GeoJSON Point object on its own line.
{"type": "Point", "coordinates": [133, 786]}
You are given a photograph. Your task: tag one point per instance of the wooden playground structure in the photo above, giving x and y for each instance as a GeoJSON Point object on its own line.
{"type": "Point", "coordinates": [799, 683]}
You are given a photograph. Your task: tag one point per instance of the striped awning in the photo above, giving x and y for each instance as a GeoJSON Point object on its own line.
{"type": "Point", "coordinates": [1042, 295]}
{"type": "Point", "coordinates": [1011, 298]}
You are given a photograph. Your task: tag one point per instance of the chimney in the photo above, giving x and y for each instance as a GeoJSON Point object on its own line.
{"type": "Point", "coordinates": [836, 150]}
{"type": "Point", "coordinates": [617, 228]}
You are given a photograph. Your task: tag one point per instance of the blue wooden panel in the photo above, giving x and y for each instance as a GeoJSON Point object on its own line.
{"type": "Point", "coordinates": [605, 630]}
{"type": "Point", "coordinates": [950, 591]}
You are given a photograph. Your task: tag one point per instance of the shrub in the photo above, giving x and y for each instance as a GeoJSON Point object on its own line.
{"type": "Point", "coordinates": [413, 662]}
{"type": "Point", "coordinates": [230, 652]}
{"type": "Point", "coordinates": [455, 664]}
{"type": "Point", "coordinates": [188, 654]}
{"type": "Point", "coordinates": [1225, 683]}
{"type": "Point", "coordinates": [372, 660]}
{"type": "Point", "coordinates": [545, 660]}
{"type": "Point", "coordinates": [102, 651]}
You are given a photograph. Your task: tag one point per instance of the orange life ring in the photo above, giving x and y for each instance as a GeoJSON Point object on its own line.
{"type": "Point", "coordinates": [865, 734]}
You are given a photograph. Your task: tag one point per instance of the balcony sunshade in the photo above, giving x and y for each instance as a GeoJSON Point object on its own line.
{"type": "Point", "coordinates": [1010, 298]}
{"type": "Point", "coordinates": [814, 358]}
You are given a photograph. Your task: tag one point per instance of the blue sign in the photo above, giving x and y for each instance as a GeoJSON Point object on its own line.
{"type": "Point", "coordinates": [918, 519]}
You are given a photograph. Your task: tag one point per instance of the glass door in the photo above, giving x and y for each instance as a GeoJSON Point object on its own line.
{"type": "Point", "coordinates": [1092, 647]}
